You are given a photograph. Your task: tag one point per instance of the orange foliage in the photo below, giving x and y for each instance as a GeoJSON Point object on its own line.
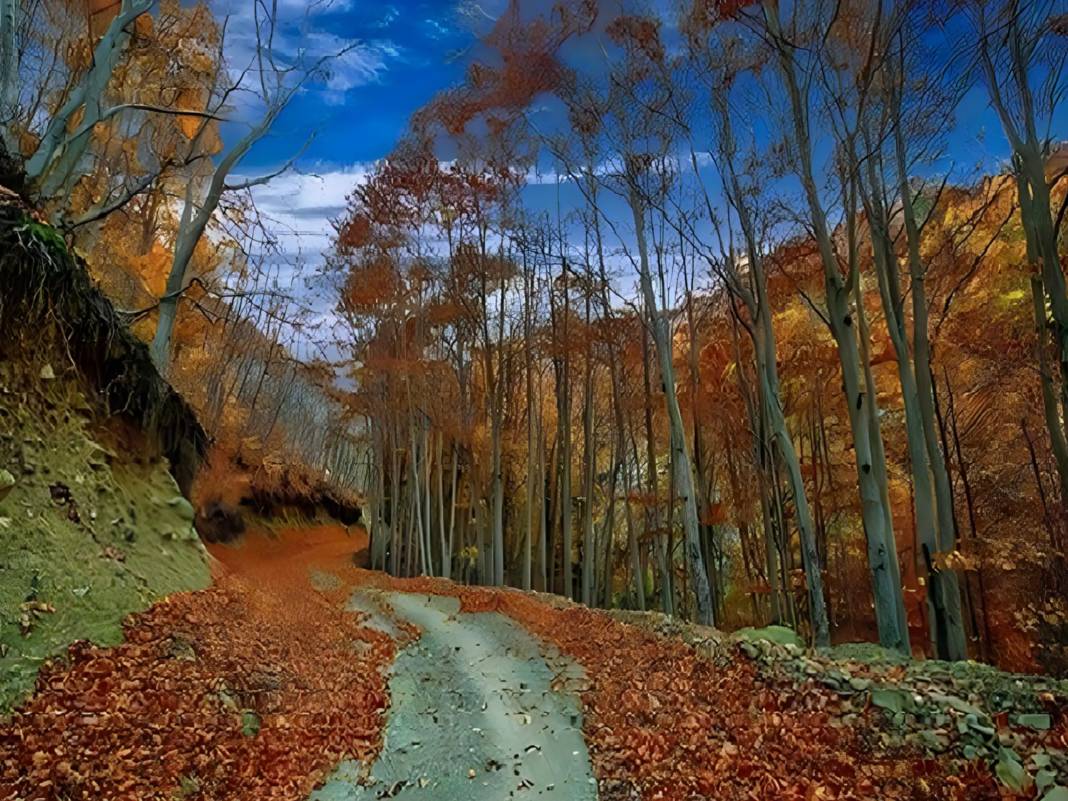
{"type": "Point", "coordinates": [163, 714]}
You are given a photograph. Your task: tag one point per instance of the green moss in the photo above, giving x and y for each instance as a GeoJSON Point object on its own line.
{"type": "Point", "coordinates": [868, 653]}
{"type": "Point", "coordinates": [120, 544]}
{"type": "Point", "coordinates": [47, 236]}
{"type": "Point", "coordinates": [780, 635]}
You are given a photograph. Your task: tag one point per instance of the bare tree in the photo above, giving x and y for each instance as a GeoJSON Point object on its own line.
{"type": "Point", "coordinates": [51, 169]}
{"type": "Point", "coordinates": [9, 80]}
{"type": "Point", "coordinates": [797, 80]}
{"type": "Point", "coordinates": [278, 82]}
{"type": "Point", "coordinates": [1021, 55]}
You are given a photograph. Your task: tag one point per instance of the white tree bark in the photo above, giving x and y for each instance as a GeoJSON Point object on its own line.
{"type": "Point", "coordinates": [196, 215]}
{"type": "Point", "coordinates": [683, 472]}
{"type": "Point", "coordinates": [766, 354]}
{"type": "Point", "coordinates": [59, 151]}
{"type": "Point", "coordinates": [9, 78]}
{"type": "Point", "coordinates": [879, 535]}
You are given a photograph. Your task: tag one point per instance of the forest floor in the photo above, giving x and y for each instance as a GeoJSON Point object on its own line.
{"type": "Point", "coordinates": [275, 682]}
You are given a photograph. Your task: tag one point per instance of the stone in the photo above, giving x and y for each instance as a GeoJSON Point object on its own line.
{"type": "Point", "coordinates": [780, 635]}
{"type": "Point", "coordinates": [183, 507]}
{"type": "Point", "coordinates": [7, 483]}
{"type": "Point", "coordinates": [1037, 721]}
{"type": "Point", "coordinates": [892, 700]}
{"type": "Point", "coordinates": [1011, 773]}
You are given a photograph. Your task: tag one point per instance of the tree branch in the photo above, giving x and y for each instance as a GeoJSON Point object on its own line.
{"type": "Point", "coordinates": [264, 179]}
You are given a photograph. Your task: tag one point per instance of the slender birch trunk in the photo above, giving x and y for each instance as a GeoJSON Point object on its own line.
{"type": "Point", "coordinates": [589, 551]}
{"type": "Point", "coordinates": [766, 355]}
{"type": "Point", "coordinates": [683, 472]}
{"type": "Point", "coordinates": [653, 519]}
{"type": "Point", "coordinates": [840, 320]}
{"type": "Point", "coordinates": [9, 77]}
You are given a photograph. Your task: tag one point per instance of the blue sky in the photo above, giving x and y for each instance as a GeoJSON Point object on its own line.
{"type": "Point", "coordinates": [409, 51]}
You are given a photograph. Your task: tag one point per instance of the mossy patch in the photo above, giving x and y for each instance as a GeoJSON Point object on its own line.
{"type": "Point", "coordinates": [47, 236]}
{"type": "Point", "coordinates": [88, 534]}
{"type": "Point", "coordinates": [780, 635]}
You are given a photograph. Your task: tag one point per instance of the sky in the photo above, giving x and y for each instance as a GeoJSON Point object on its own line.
{"type": "Point", "coordinates": [406, 52]}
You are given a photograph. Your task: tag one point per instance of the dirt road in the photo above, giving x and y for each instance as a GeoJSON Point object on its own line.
{"type": "Point", "coordinates": [478, 711]}
{"type": "Point", "coordinates": [296, 660]}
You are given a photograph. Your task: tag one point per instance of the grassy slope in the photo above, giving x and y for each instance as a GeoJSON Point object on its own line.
{"type": "Point", "coordinates": [133, 542]}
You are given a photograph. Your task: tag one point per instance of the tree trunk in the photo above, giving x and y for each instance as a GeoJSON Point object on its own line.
{"type": "Point", "coordinates": [589, 551]}
{"type": "Point", "coordinates": [9, 78]}
{"type": "Point", "coordinates": [683, 473]}
{"type": "Point", "coordinates": [58, 153]}
{"type": "Point", "coordinates": [766, 354]}
{"type": "Point", "coordinates": [564, 455]}
{"type": "Point", "coordinates": [395, 505]}
{"type": "Point", "coordinates": [955, 641]}
{"type": "Point", "coordinates": [450, 547]}
{"type": "Point", "coordinates": [544, 513]}
{"type": "Point", "coordinates": [653, 522]}
{"type": "Point", "coordinates": [840, 321]}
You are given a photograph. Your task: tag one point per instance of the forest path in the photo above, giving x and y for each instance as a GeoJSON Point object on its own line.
{"type": "Point", "coordinates": [257, 687]}
{"type": "Point", "coordinates": [478, 711]}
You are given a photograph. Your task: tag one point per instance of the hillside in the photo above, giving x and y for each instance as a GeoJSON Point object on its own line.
{"type": "Point", "coordinates": [93, 525]}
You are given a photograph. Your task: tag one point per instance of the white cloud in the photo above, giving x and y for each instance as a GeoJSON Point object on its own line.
{"type": "Point", "coordinates": [302, 37]}
{"type": "Point", "coordinates": [355, 67]}
{"type": "Point", "coordinates": [299, 209]}
{"type": "Point", "coordinates": [388, 16]}
{"type": "Point", "coordinates": [301, 206]}
{"type": "Point", "coordinates": [435, 30]}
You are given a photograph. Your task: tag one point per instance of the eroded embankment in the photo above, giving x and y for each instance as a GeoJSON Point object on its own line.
{"type": "Point", "coordinates": [92, 524]}
{"type": "Point", "coordinates": [89, 532]}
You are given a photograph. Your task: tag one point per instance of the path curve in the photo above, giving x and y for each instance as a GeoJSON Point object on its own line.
{"type": "Point", "coordinates": [479, 711]}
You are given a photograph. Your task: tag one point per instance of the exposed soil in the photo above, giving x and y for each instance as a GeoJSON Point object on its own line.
{"type": "Point", "coordinates": [89, 532]}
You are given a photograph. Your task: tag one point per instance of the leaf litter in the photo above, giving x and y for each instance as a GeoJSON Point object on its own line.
{"type": "Point", "coordinates": [252, 689]}
{"type": "Point", "coordinates": [670, 720]}
{"type": "Point", "coordinates": [257, 687]}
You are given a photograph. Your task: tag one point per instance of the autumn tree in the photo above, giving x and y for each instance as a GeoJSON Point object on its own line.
{"type": "Point", "coordinates": [1019, 52]}
{"type": "Point", "coordinates": [277, 81]}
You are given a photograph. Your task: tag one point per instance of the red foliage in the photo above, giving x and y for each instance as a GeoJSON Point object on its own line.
{"type": "Point", "coordinates": [160, 716]}
{"type": "Point", "coordinates": [525, 65]}
{"type": "Point", "coordinates": [729, 9]}
{"type": "Point", "coordinates": [642, 33]}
